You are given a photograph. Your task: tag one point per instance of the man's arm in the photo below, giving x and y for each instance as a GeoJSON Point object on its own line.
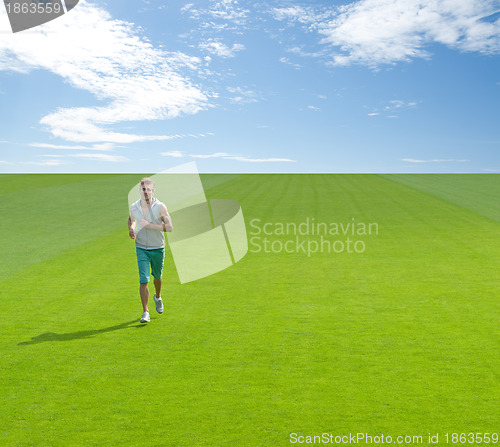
{"type": "Point", "coordinates": [131, 225]}
{"type": "Point", "coordinates": [167, 222]}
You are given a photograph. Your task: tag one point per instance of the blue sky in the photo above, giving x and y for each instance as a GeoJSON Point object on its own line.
{"type": "Point", "coordinates": [290, 86]}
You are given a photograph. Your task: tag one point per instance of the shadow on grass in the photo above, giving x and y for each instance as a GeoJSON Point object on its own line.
{"type": "Point", "coordinates": [51, 336]}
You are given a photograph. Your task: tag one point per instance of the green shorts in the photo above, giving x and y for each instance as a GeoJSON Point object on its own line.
{"type": "Point", "coordinates": [150, 258]}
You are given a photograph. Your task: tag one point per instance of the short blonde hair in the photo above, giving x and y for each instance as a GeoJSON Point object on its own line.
{"type": "Point", "coordinates": [147, 181]}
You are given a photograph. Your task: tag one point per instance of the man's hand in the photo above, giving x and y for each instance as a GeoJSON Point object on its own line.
{"type": "Point", "coordinates": [145, 223]}
{"type": "Point", "coordinates": [131, 224]}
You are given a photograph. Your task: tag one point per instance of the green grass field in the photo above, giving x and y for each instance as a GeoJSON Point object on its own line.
{"type": "Point", "coordinates": [402, 339]}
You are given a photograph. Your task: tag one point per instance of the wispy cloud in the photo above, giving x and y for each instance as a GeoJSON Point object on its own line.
{"type": "Point", "coordinates": [100, 157]}
{"type": "Point", "coordinates": [223, 14]}
{"type": "Point", "coordinates": [51, 162]}
{"type": "Point", "coordinates": [398, 104]}
{"type": "Point", "coordinates": [413, 160]}
{"type": "Point", "coordinates": [307, 15]}
{"type": "Point", "coordinates": [215, 155]}
{"type": "Point", "coordinates": [285, 60]}
{"type": "Point", "coordinates": [58, 159]}
{"type": "Point", "coordinates": [376, 32]}
{"type": "Point", "coordinates": [491, 170]}
{"type": "Point", "coordinates": [218, 48]}
{"type": "Point", "coordinates": [113, 61]}
{"type": "Point", "coordinates": [300, 51]}
{"type": "Point", "coordinates": [242, 96]}
{"type": "Point", "coordinates": [175, 154]}
{"type": "Point", "coordinates": [392, 107]}
{"type": "Point", "coordinates": [216, 21]}
{"type": "Point", "coordinates": [223, 155]}
{"type": "Point", "coordinates": [261, 160]}
{"type": "Point", "coordinates": [94, 147]}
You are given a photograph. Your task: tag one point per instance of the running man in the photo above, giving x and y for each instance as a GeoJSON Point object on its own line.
{"type": "Point", "coordinates": [150, 218]}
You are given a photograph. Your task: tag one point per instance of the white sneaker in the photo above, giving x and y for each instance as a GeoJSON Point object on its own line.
{"type": "Point", "coordinates": [159, 304]}
{"type": "Point", "coordinates": [145, 318]}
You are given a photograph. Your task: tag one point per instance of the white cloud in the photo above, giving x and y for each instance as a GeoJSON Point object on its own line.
{"type": "Point", "coordinates": [101, 157]}
{"type": "Point", "coordinates": [217, 48]}
{"type": "Point", "coordinates": [314, 108]}
{"type": "Point", "coordinates": [293, 13]}
{"type": "Point", "coordinates": [187, 7]}
{"type": "Point", "coordinates": [216, 155]}
{"type": "Point", "coordinates": [44, 163]}
{"type": "Point", "coordinates": [176, 154]}
{"type": "Point", "coordinates": [303, 14]}
{"type": "Point", "coordinates": [396, 104]}
{"type": "Point", "coordinates": [299, 50]}
{"type": "Point", "coordinates": [110, 59]}
{"type": "Point", "coordinates": [94, 147]}
{"type": "Point", "coordinates": [393, 106]}
{"type": "Point", "coordinates": [226, 156]}
{"type": "Point", "coordinates": [285, 60]}
{"type": "Point", "coordinates": [413, 160]}
{"type": "Point", "coordinates": [375, 32]}
{"type": "Point", "coordinates": [55, 159]}
{"type": "Point", "coordinates": [242, 96]}
{"type": "Point", "coordinates": [225, 11]}
{"type": "Point", "coordinates": [261, 160]}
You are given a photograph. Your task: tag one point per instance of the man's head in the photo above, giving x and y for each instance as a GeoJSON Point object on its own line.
{"type": "Point", "coordinates": [147, 188]}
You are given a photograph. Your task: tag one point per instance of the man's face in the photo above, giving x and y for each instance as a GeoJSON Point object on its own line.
{"type": "Point", "coordinates": [147, 191]}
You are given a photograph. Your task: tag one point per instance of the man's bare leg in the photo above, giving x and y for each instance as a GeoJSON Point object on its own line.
{"type": "Point", "coordinates": [144, 291]}
{"type": "Point", "coordinates": [157, 283]}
